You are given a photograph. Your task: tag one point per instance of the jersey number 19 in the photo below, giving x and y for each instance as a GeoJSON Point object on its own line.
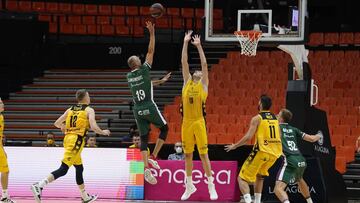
{"type": "Point", "coordinates": [140, 95]}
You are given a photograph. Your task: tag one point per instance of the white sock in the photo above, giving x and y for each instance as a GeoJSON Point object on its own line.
{"type": "Point", "coordinates": [309, 200]}
{"type": "Point", "coordinates": [257, 197]}
{"type": "Point", "coordinates": [5, 194]}
{"type": "Point", "coordinates": [210, 180]}
{"type": "Point", "coordinates": [43, 183]}
{"type": "Point", "coordinates": [84, 194]}
{"type": "Point", "coordinates": [286, 201]}
{"type": "Point", "coordinates": [247, 198]}
{"type": "Point", "coordinates": [189, 180]}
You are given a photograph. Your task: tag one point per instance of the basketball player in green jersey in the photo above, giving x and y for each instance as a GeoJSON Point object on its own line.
{"type": "Point", "coordinates": [145, 110]}
{"type": "Point", "coordinates": [294, 163]}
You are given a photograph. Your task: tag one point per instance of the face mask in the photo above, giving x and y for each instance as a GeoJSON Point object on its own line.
{"type": "Point", "coordinates": [50, 141]}
{"type": "Point", "coordinates": [178, 150]}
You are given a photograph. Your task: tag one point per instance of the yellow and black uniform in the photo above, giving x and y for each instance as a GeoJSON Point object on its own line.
{"type": "Point", "coordinates": [3, 158]}
{"type": "Point", "coordinates": [77, 125]}
{"type": "Point", "coordinates": [193, 129]}
{"type": "Point", "coordinates": [267, 148]}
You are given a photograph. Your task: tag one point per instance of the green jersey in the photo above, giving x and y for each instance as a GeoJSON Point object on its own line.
{"type": "Point", "coordinates": [140, 84]}
{"type": "Point", "coordinates": [289, 137]}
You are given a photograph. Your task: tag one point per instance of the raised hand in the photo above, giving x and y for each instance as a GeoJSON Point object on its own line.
{"type": "Point", "coordinates": [230, 147]}
{"type": "Point", "coordinates": [106, 132]}
{"type": "Point", "coordinates": [187, 37]}
{"type": "Point", "coordinates": [166, 77]}
{"type": "Point", "coordinates": [196, 40]}
{"type": "Point", "coordinates": [150, 26]}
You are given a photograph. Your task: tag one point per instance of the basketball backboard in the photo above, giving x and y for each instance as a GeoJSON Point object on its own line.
{"type": "Point", "coordinates": [281, 21]}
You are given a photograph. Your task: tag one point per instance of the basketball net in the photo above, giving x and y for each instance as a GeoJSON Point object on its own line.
{"type": "Point", "coordinates": [248, 41]}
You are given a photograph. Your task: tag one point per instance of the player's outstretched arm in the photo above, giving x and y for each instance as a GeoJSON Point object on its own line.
{"type": "Point", "coordinates": [204, 67]}
{"type": "Point", "coordinates": [93, 124]}
{"type": "Point", "coordinates": [312, 138]}
{"type": "Point", "coordinates": [151, 49]}
{"type": "Point", "coordinates": [60, 122]}
{"type": "Point", "coordinates": [162, 80]}
{"type": "Point", "coordinates": [184, 57]}
{"type": "Point", "coordinates": [255, 121]}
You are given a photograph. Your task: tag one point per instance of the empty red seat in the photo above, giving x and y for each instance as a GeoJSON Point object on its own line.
{"type": "Point", "coordinates": [341, 130]}
{"type": "Point", "coordinates": [104, 9]}
{"type": "Point", "coordinates": [217, 14]}
{"type": "Point", "coordinates": [12, 5]}
{"type": "Point", "coordinates": [78, 8]}
{"type": "Point", "coordinates": [133, 21]}
{"type": "Point", "coordinates": [65, 8]}
{"type": "Point", "coordinates": [222, 138]}
{"type": "Point", "coordinates": [88, 20]}
{"type": "Point", "coordinates": [93, 29]}
{"type": "Point", "coordinates": [132, 10]}
{"type": "Point", "coordinates": [52, 7]}
{"type": "Point", "coordinates": [144, 11]}
{"type": "Point", "coordinates": [338, 110]}
{"type": "Point", "coordinates": [91, 9]}
{"type": "Point", "coordinates": [46, 18]}
{"type": "Point", "coordinates": [346, 38]}
{"type": "Point", "coordinates": [137, 31]}
{"type": "Point", "coordinates": [80, 29]}
{"type": "Point", "coordinates": [357, 38]}
{"type": "Point", "coordinates": [217, 128]}
{"type": "Point", "coordinates": [74, 19]}
{"type": "Point", "coordinates": [173, 11]}
{"type": "Point", "coordinates": [331, 38]}
{"type": "Point", "coordinates": [187, 12]}
{"type": "Point", "coordinates": [162, 22]}
{"type": "Point", "coordinates": [38, 6]}
{"type": "Point", "coordinates": [176, 23]}
{"type": "Point", "coordinates": [53, 27]}
{"type": "Point", "coordinates": [117, 20]}
{"type": "Point", "coordinates": [218, 24]}
{"type": "Point", "coordinates": [107, 30]}
{"type": "Point", "coordinates": [118, 10]}
{"type": "Point", "coordinates": [122, 30]}
{"type": "Point", "coordinates": [199, 12]}
{"type": "Point", "coordinates": [66, 28]}
{"type": "Point", "coordinates": [103, 20]}
{"type": "Point", "coordinates": [25, 5]}
{"type": "Point", "coordinates": [316, 39]}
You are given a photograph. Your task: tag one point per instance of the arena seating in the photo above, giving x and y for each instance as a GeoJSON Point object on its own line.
{"type": "Point", "coordinates": [110, 20]}
{"type": "Point", "coordinates": [31, 112]}
{"type": "Point", "coordinates": [337, 75]}
{"type": "Point", "coordinates": [330, 39]}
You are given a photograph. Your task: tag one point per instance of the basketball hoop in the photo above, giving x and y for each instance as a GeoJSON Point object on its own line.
{"type": "Point", "coordinates": [248, 40]}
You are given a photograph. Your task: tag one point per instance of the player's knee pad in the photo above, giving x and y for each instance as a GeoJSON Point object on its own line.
{"type": "Point", "coordinates": [61, 171]}
{"type": "Point", "coordinates": [79, 174]}
{"type": "Point", "coordinates": [144, 142]}
{"type": "Point", "coordinates": [163, 132]}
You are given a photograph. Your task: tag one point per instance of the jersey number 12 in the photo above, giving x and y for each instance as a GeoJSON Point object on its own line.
{"type": "Point", "coordinates": [140, 95]}
{"type": "Point", "coordinates": [73, 120]}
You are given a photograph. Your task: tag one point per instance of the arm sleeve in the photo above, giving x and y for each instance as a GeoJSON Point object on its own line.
{"type": "Point", "coordinates": [300, 133]}
{"type": "Point", "coordinates": [146, 65]}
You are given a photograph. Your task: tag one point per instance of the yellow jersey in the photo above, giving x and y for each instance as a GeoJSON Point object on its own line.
{"type": "Point", "coordinates": [77, 121]}
{"type": "Point", "coordinates": [2, 123]}
{"type": "Point", "coordinates": [193, 100]}
{"type": "Point", "coordinates": [268, 138]}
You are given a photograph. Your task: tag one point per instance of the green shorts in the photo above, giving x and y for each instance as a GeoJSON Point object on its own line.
{"type": "Point", "coordinates": [148, 114]}
{"type": "Point", "coordinates": [292, 169]}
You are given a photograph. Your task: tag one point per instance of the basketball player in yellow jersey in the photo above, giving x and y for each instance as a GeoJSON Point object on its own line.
{"type": "Point", "coordinates": [4, 168]}
{"type": "Point", "coordinates": [266, 151]}
{"type": "Point", "coordinates": [75, 123]}
{"type": "Point", "coordinates": [193, 129]}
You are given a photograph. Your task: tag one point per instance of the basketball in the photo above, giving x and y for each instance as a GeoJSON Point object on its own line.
{"type": "Point", "coordinates": [157, 10]}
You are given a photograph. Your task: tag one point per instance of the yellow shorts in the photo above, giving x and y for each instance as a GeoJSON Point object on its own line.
{"type": "Point", "coordinates": [73, 145]}
{"type": "Point", "coordinates": [4, 168]}
{"type": "Point", "coordinates": [194, 132]}
{"type": "Point", "coordinates": [258, 163]}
